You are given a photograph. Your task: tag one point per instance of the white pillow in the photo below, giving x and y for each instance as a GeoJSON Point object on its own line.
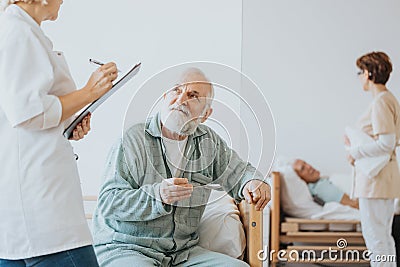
{"type": "Point", "coordinates": [220, 228]}
{"type": "Point", "coordinates": [369, 166]}
{"type": "Point", "coordinates": [296, 198]}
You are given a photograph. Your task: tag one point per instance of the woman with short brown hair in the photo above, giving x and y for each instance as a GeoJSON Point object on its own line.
{"type": "Point", "coordinates": [381, 122]}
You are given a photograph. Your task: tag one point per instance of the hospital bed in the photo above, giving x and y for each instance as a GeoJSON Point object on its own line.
{"type": "Point", "coordinates": [288, 236]}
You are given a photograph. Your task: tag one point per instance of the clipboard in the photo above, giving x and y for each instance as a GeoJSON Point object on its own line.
{"type": "Point", "coordinates": [95, 104]}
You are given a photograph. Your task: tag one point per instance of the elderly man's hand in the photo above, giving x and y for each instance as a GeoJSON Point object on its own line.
{"type": "Point", "coordinates": [175, 189]}
{"type": "Point", "coordinates": [257, 192]}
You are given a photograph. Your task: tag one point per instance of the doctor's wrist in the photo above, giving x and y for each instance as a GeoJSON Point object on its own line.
{"type": "Point", "coordinates": [88, 94]}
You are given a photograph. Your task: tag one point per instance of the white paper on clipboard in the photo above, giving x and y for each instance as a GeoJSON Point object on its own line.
{"type": "Point", "coordinates": [92, 107]}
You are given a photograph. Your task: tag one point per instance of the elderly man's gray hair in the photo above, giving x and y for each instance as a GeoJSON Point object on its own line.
{"type": "Point", "coordinates": [199, 77]}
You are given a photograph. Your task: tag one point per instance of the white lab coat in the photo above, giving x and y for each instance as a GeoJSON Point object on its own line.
{"type": "Point", "coordinates": [41, 204]}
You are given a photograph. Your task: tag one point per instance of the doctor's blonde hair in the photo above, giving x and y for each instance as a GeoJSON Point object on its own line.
{"type": "Point", "coordinates": [5, 3]}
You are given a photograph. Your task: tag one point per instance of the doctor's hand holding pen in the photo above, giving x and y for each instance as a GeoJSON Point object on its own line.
{"type": "Point", "coordinates": [99, 83]}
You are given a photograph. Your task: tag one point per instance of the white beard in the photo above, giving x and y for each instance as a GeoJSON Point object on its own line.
{"type": "Point", "coordinates": [178, 122]}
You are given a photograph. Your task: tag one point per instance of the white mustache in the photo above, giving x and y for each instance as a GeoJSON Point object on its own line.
{"type": "Point", "coordinates": [182, 108]}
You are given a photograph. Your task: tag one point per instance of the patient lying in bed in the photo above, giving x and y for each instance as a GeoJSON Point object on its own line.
{"type": "Point", "coordinates": [298, 195]}
{"type": "Point", "coordinates": [321, 188]}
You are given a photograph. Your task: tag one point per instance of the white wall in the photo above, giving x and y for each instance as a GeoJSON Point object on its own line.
{"type": "Point", "coordinates": [157, 33]}
{"type": "Point", "coordinates": [302, 54]}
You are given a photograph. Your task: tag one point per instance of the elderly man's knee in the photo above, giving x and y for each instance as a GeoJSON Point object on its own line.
{"type": "Point", "coordinates": [119, 257]}
{"type": "Point", "coordinates": [129, 261]}
{"type": "Point", "coordinates": [203, 257]}
{"type": "Point", "coordinates": [238, 263]}
{"type": "Point", "coordinates": [231, 262]}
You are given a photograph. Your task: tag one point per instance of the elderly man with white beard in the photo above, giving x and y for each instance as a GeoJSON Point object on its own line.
{"type": "Point", "coordinates": [157, 184]}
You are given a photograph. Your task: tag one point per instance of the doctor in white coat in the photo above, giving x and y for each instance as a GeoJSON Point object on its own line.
{"type": "Point", "coordinates": [42, 218]}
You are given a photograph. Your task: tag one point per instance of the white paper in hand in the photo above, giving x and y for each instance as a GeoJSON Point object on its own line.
{"type": "Point", "coordinates": [369, 166]}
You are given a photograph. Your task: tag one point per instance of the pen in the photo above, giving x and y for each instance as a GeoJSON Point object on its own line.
{"type": "Point", "coordinates": [94, 61]}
